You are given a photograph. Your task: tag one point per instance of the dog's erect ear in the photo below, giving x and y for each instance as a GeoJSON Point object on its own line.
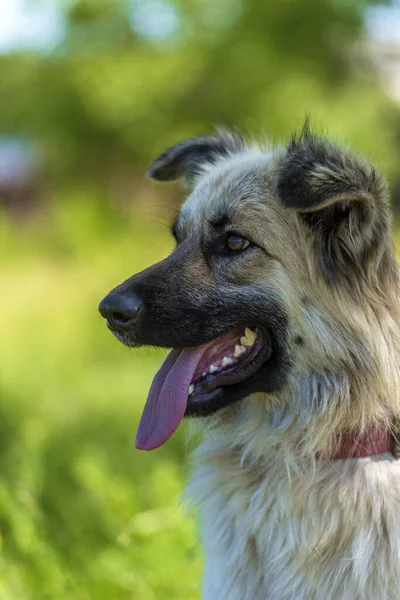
{"type": "Point", "coordinates": [187, 159]}
{"type": "Point", "coordinates": [341, 198]}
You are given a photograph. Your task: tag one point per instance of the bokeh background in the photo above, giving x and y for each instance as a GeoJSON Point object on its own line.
{"type": "Point", "coordinates": [90, 92]}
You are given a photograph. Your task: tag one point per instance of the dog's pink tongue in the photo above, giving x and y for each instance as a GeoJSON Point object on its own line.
{"type": "Point", "coordinates": [167, 400]}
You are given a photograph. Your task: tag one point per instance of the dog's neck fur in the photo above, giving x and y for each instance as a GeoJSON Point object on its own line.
{"type": "Point", "coordinates": [279, 522]}
{"type": "Point", "coordinates": [273, 532]}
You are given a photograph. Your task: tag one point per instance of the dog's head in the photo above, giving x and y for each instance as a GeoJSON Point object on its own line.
{"type": "Point", "coordinates": [277, 256]}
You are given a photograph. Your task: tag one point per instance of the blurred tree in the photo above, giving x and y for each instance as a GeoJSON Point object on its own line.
{"type": "Point", "coordinates": [133, 76]}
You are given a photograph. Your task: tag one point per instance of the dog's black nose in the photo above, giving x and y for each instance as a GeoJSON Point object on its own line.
{"type": "Point", "coordinates": [120, 310]}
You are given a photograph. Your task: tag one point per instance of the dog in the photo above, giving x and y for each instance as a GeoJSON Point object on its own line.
{"type": "Point", "coordinates": [281, 305]}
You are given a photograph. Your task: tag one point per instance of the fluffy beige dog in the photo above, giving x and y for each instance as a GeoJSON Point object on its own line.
{"type": "Point", "coordinates": [281, 305]}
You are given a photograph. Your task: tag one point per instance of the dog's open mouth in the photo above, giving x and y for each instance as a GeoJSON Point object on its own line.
{"type": "Point", "coordinates": [193, 376]}
{"type": "Point", "coordinates": [229, 359]}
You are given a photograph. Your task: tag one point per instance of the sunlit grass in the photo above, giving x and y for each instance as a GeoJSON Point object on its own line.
{"type": "Point", "coordinates": [82, 513]}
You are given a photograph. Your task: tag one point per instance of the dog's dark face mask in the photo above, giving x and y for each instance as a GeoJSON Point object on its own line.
{"type": "Point", "coordinates": [226, 346]}
{"type": "Point", "coordinates": [221, 299]}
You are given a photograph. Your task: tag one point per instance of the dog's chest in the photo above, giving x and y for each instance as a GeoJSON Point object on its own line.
{"type": "Point", "coordinates": [334, 534]}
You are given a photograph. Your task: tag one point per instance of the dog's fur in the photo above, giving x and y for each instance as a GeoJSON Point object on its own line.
{"type": "Point", "coordinates": [279, 521]}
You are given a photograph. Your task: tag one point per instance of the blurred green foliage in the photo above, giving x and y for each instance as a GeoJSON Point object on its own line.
{"type": "Point", "coordinates": [82, 514]}
{"type": "Point", "coordinates": [115, 92]}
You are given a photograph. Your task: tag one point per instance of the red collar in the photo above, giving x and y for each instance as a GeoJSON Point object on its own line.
{"type": "Point", "coordinates": [371, 442]}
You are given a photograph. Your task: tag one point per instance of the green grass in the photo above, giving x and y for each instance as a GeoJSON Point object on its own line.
{"type": "Point", "coordinates": [83, 515]}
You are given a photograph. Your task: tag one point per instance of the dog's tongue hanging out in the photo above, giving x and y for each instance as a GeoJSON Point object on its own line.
{"type": "Point", "coordinates": [168, 396]}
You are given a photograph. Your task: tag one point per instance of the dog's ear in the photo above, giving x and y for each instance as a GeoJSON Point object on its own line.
{"type": "Point", "coordinates": [340, 197]}
{"type": "Point", "coordinates": [188, 159]}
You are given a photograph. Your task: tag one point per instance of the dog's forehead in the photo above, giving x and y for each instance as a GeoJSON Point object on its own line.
{"type": "Point", "coordinates": [225, 187]}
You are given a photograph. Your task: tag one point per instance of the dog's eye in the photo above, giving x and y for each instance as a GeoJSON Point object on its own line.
{"type": "Point", "coordinates": [236, 243]}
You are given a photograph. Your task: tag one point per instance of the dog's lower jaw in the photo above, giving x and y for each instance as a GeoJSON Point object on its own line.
{"type": "Point", "coordinates": [333, 535]}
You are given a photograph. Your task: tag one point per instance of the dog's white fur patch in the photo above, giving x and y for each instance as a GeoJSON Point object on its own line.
{"type": "Point", "coordinates": [330, 535]}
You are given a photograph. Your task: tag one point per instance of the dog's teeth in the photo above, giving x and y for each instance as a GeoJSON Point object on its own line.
{"type": "Point", "coordinates": [226, 361]}
{"type": "Point", "coordinates": [252, 335]}
{"type": "Point", "coordinates": [191, 389]}
{"type": "Point", "coordinates": [212, 369]}
{"type": "Point", "coordinates": [239, 350]}
{"type": "Point", "coordinates": [249, 338]}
